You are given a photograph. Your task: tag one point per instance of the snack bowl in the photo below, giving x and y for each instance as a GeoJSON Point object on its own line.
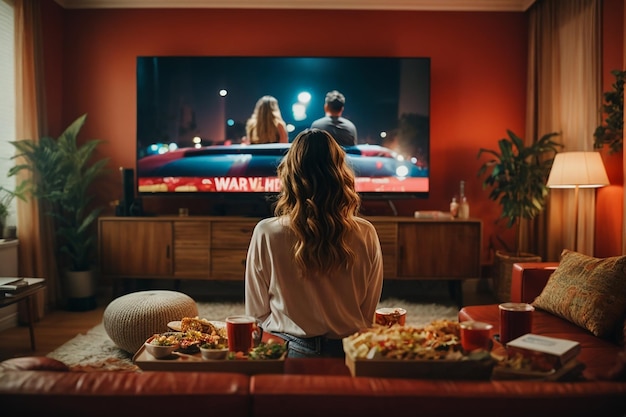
{"type": "Point", "coordinates": [212, 353]}
{"type": "Point", "coordinates": [161, 346]}
{"type": "Point", "coordinates": [160, 351]}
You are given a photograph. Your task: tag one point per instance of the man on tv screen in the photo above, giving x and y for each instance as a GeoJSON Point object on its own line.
{"type": "Point", "coordinates": [342, 129]}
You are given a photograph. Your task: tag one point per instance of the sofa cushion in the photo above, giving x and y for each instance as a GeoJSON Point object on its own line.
{"type": "Point", "coordinates": [137, 394]}
{"type": "Point", "coordinates": [587, 291]}
{"type": "Point", "coordinates": [317, 395]}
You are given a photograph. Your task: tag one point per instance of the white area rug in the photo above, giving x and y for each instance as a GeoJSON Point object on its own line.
{"type": "Point", "coordinates": [95, 351]}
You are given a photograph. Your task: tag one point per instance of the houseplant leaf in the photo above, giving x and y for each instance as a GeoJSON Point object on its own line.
{"type": "Point", "coordinates": [516, 175]}
{"type": "Point", "coordinates": [63, 172]}
{"type": "Point", "coordinates": [611, 131]}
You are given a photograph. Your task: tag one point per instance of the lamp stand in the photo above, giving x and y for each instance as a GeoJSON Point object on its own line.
{"type": "Point", "coordinates": [576, 218]}
{"type": "Point", "coordinates": [575, 170]}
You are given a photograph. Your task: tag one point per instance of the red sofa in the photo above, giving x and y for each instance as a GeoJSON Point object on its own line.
{"type": "Point", "coordinates": [317, 387]}
{"type": "Point", "coordinates": [600, 356]}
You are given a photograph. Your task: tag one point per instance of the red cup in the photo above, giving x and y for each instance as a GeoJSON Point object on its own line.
{"type": "Point", "coordinates": [388, 316]}
{"type": "Point", "coordinates": [475, 335]}
{"type": "Point", "coordinates": [516, 319]}
{"type": "Point", "coordinates": [241, 332]}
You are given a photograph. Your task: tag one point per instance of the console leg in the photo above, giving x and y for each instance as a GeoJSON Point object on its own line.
{"type": "Point", "coordinates": [455, 289]}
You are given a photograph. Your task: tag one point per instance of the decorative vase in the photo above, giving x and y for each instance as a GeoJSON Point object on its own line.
{"type": "Point", "coordinates": [80, 289]}
{"type": "Point", "coordinates": [503, 271]}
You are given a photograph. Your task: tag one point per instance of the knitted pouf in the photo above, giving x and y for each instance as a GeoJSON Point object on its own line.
{"type": "Point", "coordinates": [132, 318]}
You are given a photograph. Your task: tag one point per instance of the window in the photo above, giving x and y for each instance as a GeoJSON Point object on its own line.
{"type": "Point", "coordinates": [7, 99]}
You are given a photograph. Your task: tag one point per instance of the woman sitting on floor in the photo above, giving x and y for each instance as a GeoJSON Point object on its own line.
{"type": "Point", "coordinates": [314, 272]}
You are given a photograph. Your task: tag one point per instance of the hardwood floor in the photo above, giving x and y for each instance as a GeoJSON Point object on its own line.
{"type": "Point", "coordinates": [53, 330]}
{"type": "Point", "coordinates": [59, 326]}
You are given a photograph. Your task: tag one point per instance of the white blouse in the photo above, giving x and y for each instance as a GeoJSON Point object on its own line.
{"type": "Point", "coordinates": [331, 306]}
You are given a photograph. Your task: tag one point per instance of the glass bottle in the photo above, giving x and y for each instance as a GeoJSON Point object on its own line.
{"type": "Point", "coordinates": [464, 209]}
{"type": "Point", "coordinates": [464, 206]}
{"type": "Point", "coordinates": [454, 208]}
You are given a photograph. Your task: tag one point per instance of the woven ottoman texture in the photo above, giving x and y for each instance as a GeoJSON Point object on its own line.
{"type": "Point", "coordinates": [132, 318]}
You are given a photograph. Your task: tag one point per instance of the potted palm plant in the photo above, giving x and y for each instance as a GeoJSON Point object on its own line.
{"type": "Point", "coordinates": [611, 131]}
{"type": "Point", "coordinates": [6, 198]}
{"type": "Point", "coordinates": [62, 174]}
{"type": "Point", "coordinates": [517, 175]}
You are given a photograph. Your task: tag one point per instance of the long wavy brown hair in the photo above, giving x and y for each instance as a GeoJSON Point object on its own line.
{"type": "Point", "coordinates": [262, 126]}
{"type": "Point", "coordinates": [319, 197]}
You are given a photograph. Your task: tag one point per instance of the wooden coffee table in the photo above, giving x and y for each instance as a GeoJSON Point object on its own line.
{"type": "Point", "coordinates": [35, 285]}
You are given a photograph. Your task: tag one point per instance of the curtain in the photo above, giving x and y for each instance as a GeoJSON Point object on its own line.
{"type": "Point", "coordinates": [624, 153]}
{"type": "Point", "coordinates": [564, 90]}
{"type": "Point", "coordinates": [36, 256]}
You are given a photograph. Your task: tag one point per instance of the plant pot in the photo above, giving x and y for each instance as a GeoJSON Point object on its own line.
{"type": "Point", "coordinates": [80, 290]}
{"type": "Point", "coordinates": [503, 271]}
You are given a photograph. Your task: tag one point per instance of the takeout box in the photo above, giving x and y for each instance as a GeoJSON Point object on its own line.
{"type": "Point", "coordinates": [474, 367]}
{"type": "Point", "coordinates": [363, 359]}
{"type": "Point", "coordinates": [553, 352]}
{"type": "Point", "coordinates": [468, 369]}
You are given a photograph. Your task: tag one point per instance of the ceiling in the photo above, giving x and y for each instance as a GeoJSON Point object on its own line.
{"type": "Point", "coordinates": [433, 5]}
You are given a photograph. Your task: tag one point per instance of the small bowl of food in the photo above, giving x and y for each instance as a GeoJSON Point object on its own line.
{"type": "Point", "coordinates": [162, 345]}
{"type": "Point", "coordinates": [214, 346]}
{"type": "Point", "coordinates": [212, 353]}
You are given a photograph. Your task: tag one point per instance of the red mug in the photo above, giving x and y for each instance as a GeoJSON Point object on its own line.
{"type": "Point", "coordinates": [242, 332]}
{"type": "Point", "coordinates": [388, 316]}
{"type": "Point", "coordinates": [475, 335]}
{"type": "Point", "coordinates": [516, 319]}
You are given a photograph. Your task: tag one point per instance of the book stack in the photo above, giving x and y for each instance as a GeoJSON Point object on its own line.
{"type": "Point", "coordinates": [543, 351]}
{"type": "Point", "coordinates": [11, 286]}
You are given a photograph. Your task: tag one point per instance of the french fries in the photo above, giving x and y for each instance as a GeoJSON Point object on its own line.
{"type": "Point", "coordinates": [436, 341]}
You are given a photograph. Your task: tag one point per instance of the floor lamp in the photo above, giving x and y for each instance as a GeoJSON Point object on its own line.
{"type": "Point", "coordinates": [577, 170]}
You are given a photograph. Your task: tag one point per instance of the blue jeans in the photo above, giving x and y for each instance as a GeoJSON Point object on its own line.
{"type": "Point", "coordinates": [312, 347]}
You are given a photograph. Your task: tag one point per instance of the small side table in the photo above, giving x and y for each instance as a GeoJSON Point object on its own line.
{"type": "Point", "coordinates": [35, 285]}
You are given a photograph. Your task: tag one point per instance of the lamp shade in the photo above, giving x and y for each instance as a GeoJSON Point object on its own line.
{"type": "Point", "coordinates": [577, 169]}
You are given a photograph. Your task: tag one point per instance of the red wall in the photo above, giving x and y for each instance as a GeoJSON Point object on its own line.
{"type": "Point", "coordinates": [478, 75]}
{"type": "Point", "coordinates": [610, 200]}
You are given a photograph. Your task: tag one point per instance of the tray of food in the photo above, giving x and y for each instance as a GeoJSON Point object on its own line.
{"type": "Point", "coordinates": [202, 345]}
{"type": "Point", "coordinates": [430, 352]}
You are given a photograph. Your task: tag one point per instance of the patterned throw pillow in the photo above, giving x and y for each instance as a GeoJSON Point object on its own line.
{"type": "Point", "coordinates": [587, 291]}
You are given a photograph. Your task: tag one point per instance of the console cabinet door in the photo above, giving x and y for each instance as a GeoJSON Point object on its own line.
{"type": "Point", "coordinates": [439, 250]}
{"type": "Point", "coordinates": [192, 249]}
{"type": "Point", "coordinates": [229, 248]}
{"type": "Point", "coordinates": [136, 248]}
{"type": "Point", "coordinates": [388, 237]}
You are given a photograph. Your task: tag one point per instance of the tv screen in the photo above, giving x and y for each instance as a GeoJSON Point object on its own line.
{"type": "Point", "coordinates": [192, 112]}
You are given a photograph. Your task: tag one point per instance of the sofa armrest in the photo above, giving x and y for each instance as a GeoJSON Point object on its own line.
{"type": "Point", "coordinates": [33, 363]}
{"type": "Point", "coordinates": [528, 280]}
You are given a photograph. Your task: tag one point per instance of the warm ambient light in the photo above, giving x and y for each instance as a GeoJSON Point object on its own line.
{"type": "Point", "coordinates": [577, 170]}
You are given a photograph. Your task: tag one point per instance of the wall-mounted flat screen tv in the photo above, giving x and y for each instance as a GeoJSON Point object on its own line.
{"type": "Point", "coordinates": [192, 112]}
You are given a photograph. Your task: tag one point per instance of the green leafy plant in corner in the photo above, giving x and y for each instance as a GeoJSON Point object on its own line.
{"type": "Point", "coordinates": [517, 175]}
{"type": "Point", "coordinates": [6, 198]}
{"type": "Point", "coordinates": [611, 132]}
{"type": "Point", "coordinates": [62, 173]}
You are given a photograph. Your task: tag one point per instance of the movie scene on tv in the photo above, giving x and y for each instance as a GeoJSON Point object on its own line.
{"type": "Point", "coordinates": [222, 124]}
